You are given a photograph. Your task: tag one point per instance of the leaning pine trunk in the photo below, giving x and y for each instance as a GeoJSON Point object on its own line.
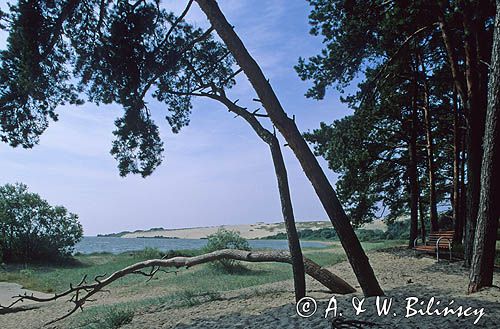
{"type": "Point", "coordinates": [287, 210]}
{"type": "Point", "coordinates": [286, 126]}
{"type": "Point", "coordinates": [269, 138]}
{"type": "Point", "coordinates": [483, 259]}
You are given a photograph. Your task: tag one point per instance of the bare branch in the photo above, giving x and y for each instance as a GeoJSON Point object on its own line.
{"type": "Point", "coordinates": [82, 293]}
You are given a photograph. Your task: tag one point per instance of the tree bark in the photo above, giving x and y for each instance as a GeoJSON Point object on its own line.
{"type": "Point", "coordinates": [475, 111]}
{"type": "Point", "coordinates": [430, 153]}
{"type": "Point", "coordinates": [458, 220]}
{"type": "Point", "coordinates": [291, 230]}
{"type": "Point", "coordinates": [283, 188]}
{"type": "Point", "coordinates": [357, 257]}
{"type": "Point", "coordinates": [483, 260]}
{"type": "Point", "coordinates": [413, 191]}
{"type": "Point", "coordinates": [472, 93]}
{"type": "Point", "coordinates": [463, 189]}
{"type": "Point", "coordinates": [422, 218]}
{"type": "Point", "coordinates": [412, 168]}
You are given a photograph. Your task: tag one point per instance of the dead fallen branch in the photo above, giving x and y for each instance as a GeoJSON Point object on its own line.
{"type": "Point", "coordinates": [82, 292]}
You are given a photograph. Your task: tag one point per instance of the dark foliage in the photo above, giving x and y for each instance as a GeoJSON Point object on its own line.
{"type": "Point", "coordinates": [123, 52]}
{"type": "Point", "coordinates": [31, 230]}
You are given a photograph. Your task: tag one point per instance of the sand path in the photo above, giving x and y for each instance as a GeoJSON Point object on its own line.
{"type": "Point", "coordinates": [8, 289]}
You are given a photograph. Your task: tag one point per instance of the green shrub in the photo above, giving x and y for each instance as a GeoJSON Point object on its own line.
{"type": "Point", "coordinates": [224, 239]}
{"type": "Point", "coordinates": [278, 236]}
{"type": "Point", "coordinates": [325, 233]}
{"type": "Point", "coordinates": [398, 230]}
{"type": "Point", "coordinates": [150, 253]}
{"type": "Point", "coordinates": [33, 230]}
{"type": "Point", "coordinates": [370, 235]}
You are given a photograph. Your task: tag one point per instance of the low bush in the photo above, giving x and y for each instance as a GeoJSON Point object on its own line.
{"type": "Point", "coordinates": [370, 235]}
{"type": "Point", "coordinates": [398, 230]}
{"type": "Point", "coordinates": [150, 253]}
{"type": "Point", "coordinates": [224, 239]}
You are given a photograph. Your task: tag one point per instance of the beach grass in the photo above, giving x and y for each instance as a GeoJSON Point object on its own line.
{"type": "Point", "coordinates": [133, 296]}
{"type": "Point", "coordinates": [52, 278]}
{"type": "Point", "coordinates": [178, 288]}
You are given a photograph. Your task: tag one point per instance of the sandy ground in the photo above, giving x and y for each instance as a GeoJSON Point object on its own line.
{"type": "Point", "coordinates": [248, 231]}
{"type": "Point", "coordinates": [401, 274]}
{"type": "Point", "coordinates": [7, 290]}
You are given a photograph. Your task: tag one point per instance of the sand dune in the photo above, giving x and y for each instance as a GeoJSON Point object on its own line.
{"type": "Point", "coordinates": [248, 231]}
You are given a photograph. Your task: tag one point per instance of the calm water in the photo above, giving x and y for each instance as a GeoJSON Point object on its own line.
{"type": "Point", "coordinates": [90, 244]}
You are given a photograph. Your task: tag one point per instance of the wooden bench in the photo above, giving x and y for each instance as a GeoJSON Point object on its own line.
{"type": "Point", "coordinates": [436, 242]}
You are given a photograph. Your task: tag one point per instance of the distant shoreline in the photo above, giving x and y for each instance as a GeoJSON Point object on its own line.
{"type": "Point", "coordinates": [258, 230]}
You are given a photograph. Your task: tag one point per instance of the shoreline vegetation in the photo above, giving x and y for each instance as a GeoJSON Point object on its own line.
{"type": "Point", "coordinates": [56, 277]}
{"type": "Point", "coordinates": [137, 301]}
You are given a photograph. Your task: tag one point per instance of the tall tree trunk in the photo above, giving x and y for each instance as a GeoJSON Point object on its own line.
{"type": "Point", "coordinates": [483, 260]}
{"type": "Point", "coordinates": [422, 217]}
{"type": "Point", "coordinates": [475, 126]}
{"type": "Point", "coordinates": [430, 153]}
{"type": "Point", "coordinates": [457, 214]}
{"type": "Point", "coordinates": [413, 191]}
{"type": "Point", "coordinates": [299, 279]}
{"type": "Point", "coordinates": [286, 126]}
{"type": "Point", "coordinates": [468, 86]}
{"type": "Point", "coordinates": [463, 189]}
{"type": "Point", "coordinates": [412, 168]}
{"type": "Point", "coordinates": [269, 138]}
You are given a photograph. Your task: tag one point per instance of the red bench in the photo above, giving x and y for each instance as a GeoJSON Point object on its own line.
{"type": "Point", "coordinates": [437, 242]}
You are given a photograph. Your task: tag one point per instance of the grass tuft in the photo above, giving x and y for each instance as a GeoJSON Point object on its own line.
{"type": "Point", "coordinates": [107, 318]}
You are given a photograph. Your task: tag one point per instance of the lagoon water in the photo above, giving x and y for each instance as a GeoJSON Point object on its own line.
{"type": "Point", "coordinates": [91, 244]}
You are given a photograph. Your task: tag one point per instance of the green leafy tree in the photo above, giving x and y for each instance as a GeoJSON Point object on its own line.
{"type": "Point", "coordinates": [33, 230]}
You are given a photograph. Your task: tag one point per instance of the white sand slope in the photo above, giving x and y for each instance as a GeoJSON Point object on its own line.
{"type": "Point", "coordinates": [248, 231]}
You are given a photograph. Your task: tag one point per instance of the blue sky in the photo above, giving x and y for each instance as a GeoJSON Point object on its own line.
{"type": "Point", "coordinates": [215, 171]}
